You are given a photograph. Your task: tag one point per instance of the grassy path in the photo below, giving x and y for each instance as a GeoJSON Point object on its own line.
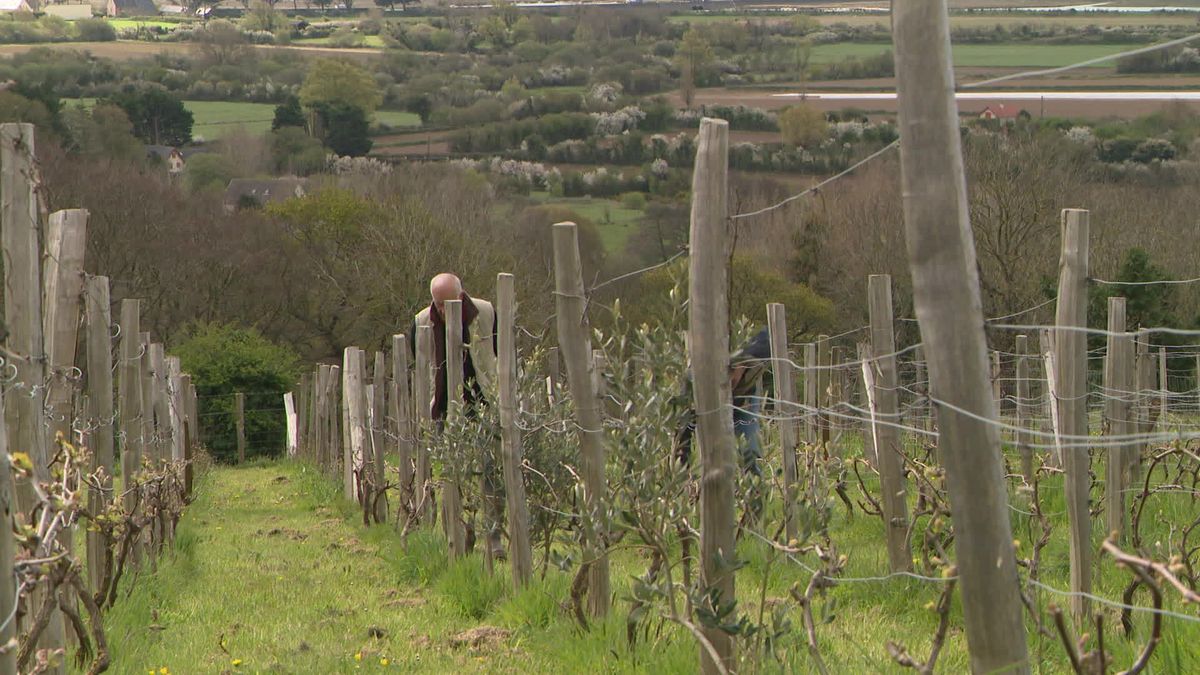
{"type": "Point", "coordinates": [269, 576]}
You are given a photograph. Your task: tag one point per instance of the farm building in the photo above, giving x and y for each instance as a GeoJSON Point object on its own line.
{"type": "Point", "coordinates": [14, 6]}
{"type": "Point", "coordinates": [247, 192]}
{"type": "Point", "coordinates": [132, 8]}
{"type": "Point", "coordinates": [1004, 113]}
{"type": "Point", "coordinates": [69, 12]}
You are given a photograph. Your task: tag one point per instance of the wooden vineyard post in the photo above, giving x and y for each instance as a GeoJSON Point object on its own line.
{"type": "Point", "coordinates": [334, 421]}
{"type": "Point", "coordinates": [1118, 387]}
{"type": "Point", "coordinates": [520, 553]}
{"type": "Point", "coordinates": [162, 411]}
{"type": "Point", "coordinates": [175, 403]}
{"type": "Point", "coordinates": [239, 420]}
{"type": "Point", "coordinates": [100, 398]}
{"type": "Point", "coordinates": [920, 390]}
{"type": "Point", "coordinates": [424, 396]}
{"type": "Point", "coordinates": [1144, 376]}
{"type": "Point", "coordinates": [1164, 390]}
{"type": "Point", "coordinates": [452, 517]}
{"type": "Point", "coordinates": [708, 326]}
{"type": "Point", "coordinates": [812, 424]}
{"type": "Point", "coordinates": [1022, 408]}
{"type": "Point", "coordinates": [824, 375]}
{"type": "Point", "coordinates": [1070, 346]}
{"type": "Point", "coordinates": [402, 423]}
{"type": "Point", "coordinates": [838, 394]}
{"type": "Point", "coordinates": [889, 451]}
{"type": "Point", "coordinates": [948, 306]}
{"type": "Point", "coordinates": [292, 424]}
{"type": "Point", "coordinates": [576, 349]}
{"type": "Point", "coordinates": [190, 433]}
{"type": "Point", "coordinates": [320, 427]}
{"type": "Point", "coordinates": [62, 274]}
{"type": "Point", "coordinates": [785, 393]}
{"type": "Point", "coordinates": [354, 395]}
{"type": "Point", "coordinates": [129, 390]}
{"type": "Point", "coordinates": [8, 584]}
{"type": "Point", "coordinates": [997, 388]}
{"type": "Point", "coordinates": [379, 437]}
{"type": "Point", "coordinates": [24, 413]}
{"type": "Point", "coordinates": [149, 432]}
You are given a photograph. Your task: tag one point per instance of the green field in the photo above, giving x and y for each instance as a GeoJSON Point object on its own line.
{"type": "Point", "coordinates": [216, 119]}
{"type": "Point", "coordinates": [613, 221]}
{"type": "Point", "coordinates": [993, 55]}
{"type": "Point", "coordinates": [369, 41]}
{"type": "Point", "coordinates": [127, 24]}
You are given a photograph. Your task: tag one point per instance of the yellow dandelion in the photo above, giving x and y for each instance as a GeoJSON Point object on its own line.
{"type": "Point", "coordinates": [236, 662]}
{"type": "Point", "coordinates": [384, 661]}
{"type": "Point", "coordinates": [358, 656]}
{"type": "Point", "coordinates": [164, 671]}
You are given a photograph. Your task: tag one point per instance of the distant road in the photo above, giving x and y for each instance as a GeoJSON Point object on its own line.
{"type": "Point", "coordinates": [1009, 96]}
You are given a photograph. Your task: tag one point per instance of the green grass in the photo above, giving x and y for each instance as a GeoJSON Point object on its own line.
{"type": "Point", "coordinates": [270, 560]}
{"type": "Point", "coordinates": [990, 55]}
{"type": "Point", "coordinates": [127, 24]}
{"type": "Point", "coordinates": [217, 119]}
{"type": "Point", "coordinates": [614, 222]}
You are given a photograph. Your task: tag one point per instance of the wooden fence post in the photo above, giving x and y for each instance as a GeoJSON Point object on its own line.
{"type": "Point", "coordinates": [812, 413]}
{"type": "Point", "coordinates": [424, 396]}
{"type": "Point", "coordinates": [100, 399]}
{"type": "Point", "coordinates": [889, 451]}
{"type": "Point", "coordinates": [997, 388]}
{"type": "Point", "coordinates": [149, 431]}
{"type": "Point", "coordinates": [129, 390]}
{"type": "Point", "coordinates": [921, 390]}
{"type": "Point", "coordinates": [708, 326]}
{"type": "Point", "coordinates": [354, 396]}
{"type": "Point", "coordinates": [785, 393]}
{"type": "Point", "coordinates": [379, 436]}
{"type": "Point", "coordinates": [190, 432]}
{"type": "Point", "coordinates": [1070, 344]}
{"type": "Point", "coordinates": [576, 348]}
{"type": "Point", "coordinates": [62, 274]}
{"type": "Point", "coordinates": [452, 518]}
{"type": "Point", "coordinates": [335, 419]}
{"type": "Point", "coordinates": [25, 412]}
{"type": "Point", "coordinates": [239, 420]}
{"type": "Point", "coordinates": [1164, 389]}
{"type": "Point", "coordinates": [947, 300]}
{"type": "Point", "coordinates": [1118, 387]}
{"type": "Point", "coordinates": [8, 584]}
{"type": "Point", "coordinates": [1023, 408]}
{"type": "Point", "coordinates": [176, 405]}
{"type": "Point", "coordinates": [823, 376]}
{"type": "Point", "coordinates": [520, 553]}
{"type": "Point", "coordinates": [402, 423]}
{"type": "Point", "coordinates": [162, 410]}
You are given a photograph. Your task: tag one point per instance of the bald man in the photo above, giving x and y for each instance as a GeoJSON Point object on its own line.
{"type": "Point", "coordinates": [479, 371]}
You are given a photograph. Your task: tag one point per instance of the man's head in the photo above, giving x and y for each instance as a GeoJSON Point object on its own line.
{"type": "Point", "coordinates": [443, 287]}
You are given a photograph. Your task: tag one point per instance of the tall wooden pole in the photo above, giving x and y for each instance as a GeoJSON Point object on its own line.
{"type": "Point", "coordinates": [452, 514]}
{"type": "Point", "coordinates": [424, 396]}
{"type": "Point", "coordinates": [100, 398]}
{"type": "Point", "coordinates": [576, 347]}
{"type": "Point", "coordinates": [20, 226]}
{"type": "Point", "coordinates": [520, 553]}
{"type": "Point", "coordinates": [401, 414]}
{"type": "Point", "coordinates": [379, 435]}
{"type": "Point", "coordinates": [239, 420]}
{"type": "Point", "coordinates": [889, 451]}
{"type": "Point", "coordinates": [824, 375]}
{"type": "Point", "coordinates": [811, 369]}
{"type": "Point", "coordinates": [1118, 409]}
{"type": "Point", "coordinates": [946, 295]}
{"type": "Point", "coordinates": [129, 390]}
{"type": "Point", "coordinates": [62, 273]}
{"type": "Point", "coordinates": [1164, 390]}
{"type": "Point", "coordinates": [191, 432]}
{"type": "Point", "coordinates": [708, 326]}
{"type": "Point", "coordinates": [1023, 408]}
{"type": "Point", "coordinates": [1070, 352]}
{"type": "Point", "coordinates": [785, 393]}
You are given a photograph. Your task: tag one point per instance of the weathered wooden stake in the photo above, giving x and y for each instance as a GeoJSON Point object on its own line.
{"type": "Point", "coordinates": [402, 422]}
{"type": "Point", "coordinates": [520, 553]}
{"type": "Point", "coordinates": [812, 424]}
{"type": "Point", "coordinates": [785, 393]}
{"type": "Point", "coordinates": [424, 398]}
{"type": "Point", "coordinates": [129, 389]}
{"type": "Point", "coordinates": [1070, 344]}
{"type": "Point", "coordinates": [452, 521]}
{"type": "Point", "coordinates": [239, 420]}
{"type": "Point", "coordinates": [379, 434]}
{"type": "Point", "coordinates": [889, 451]}
{"type": "Point", "coordinates": [100, 399]}
{"type": "Point", "coordinates": [576, 347]}
{"type": "Point", "coordinates": [1164, 389]}
{"type": "Point", "coordinates": [708, 326]}
{"type": "Point", "coordinates": [824, 375]}
{"type": "Point", "coordinates": [62, 274]}
{"type": "Point", "coordinates": [1023, 407]}
{"type": "Point", "coordinates": [948, 306]}
{"type": "Point", "coordinates": [1118, 385]}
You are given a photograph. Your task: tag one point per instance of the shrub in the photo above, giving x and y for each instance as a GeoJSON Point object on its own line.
{"type": "Point", "coordinates": [95, 30]}
{"type": "Point", "coordinates": [225, 359]}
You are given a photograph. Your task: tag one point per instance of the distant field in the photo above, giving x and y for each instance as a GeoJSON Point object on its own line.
{"type": "Point", "coordinates": [613, 222]}
{"type": "Point", "coordinates": [369, 41]}
{"type": "Point", "coordinates": [973, 20]}
{"type": "Point", "coordinates": [216, 119]}
{"type": "Point", "coordinates": [997, 55]}
{"type": "Point", "coordinates": [126, 24]}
